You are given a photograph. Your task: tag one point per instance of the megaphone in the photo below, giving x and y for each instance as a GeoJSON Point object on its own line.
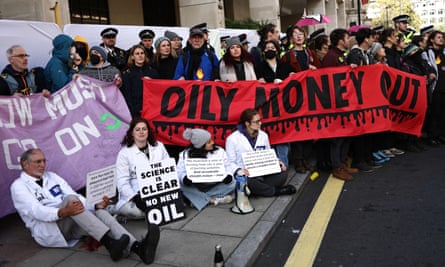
{"type": "Point", "coordinates": [242, 204]}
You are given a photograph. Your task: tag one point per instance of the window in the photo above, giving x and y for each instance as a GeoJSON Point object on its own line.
{"type": "Point", "coordinates": [432, 12]}
{"type": "Point", "coordinates": [433, 21]}
{"type": "Point", "coordinates": [440, 12]}
{"type": "Point", "coordinates": [424, 12]}
{"type": "Point", "coordinates": [89, 11]}
{"type": "Point", "coordinates": [441, 20]}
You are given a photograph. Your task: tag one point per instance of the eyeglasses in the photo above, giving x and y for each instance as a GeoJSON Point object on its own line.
{"type": "Point", "coordinates": [38, 161]}
{"type": "Point", "coordinates": [21, 55]}
{"type": "Point", "coordinates": [256, 122]}
{"type": "Point", "coordinates": [295, 34]}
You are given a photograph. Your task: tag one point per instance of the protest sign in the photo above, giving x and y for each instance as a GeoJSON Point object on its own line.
{"type": "Point", "coordinates": [261, 162]}
{"type": "Point", "coordinates": [308, 105]}
{"type": "Point", "coordinates": [205, 170]}
{"type": "Point", "coordinates": [160, 189]}
{"type": "Point", "coordinates": [101, 183]}
{"type": "Point", "coordinates": [79, 128]}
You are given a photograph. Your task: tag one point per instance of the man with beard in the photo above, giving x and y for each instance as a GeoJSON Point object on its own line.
{"type": "Point", "coordinates": [197, 62]}
{"type": "Point", "coordinates": [116, 56]}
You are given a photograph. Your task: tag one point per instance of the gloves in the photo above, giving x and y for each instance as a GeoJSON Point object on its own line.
{"type": "Point", "coordinates": [227, 179]}
{"type": "Point", "coordinates": [187, 181]}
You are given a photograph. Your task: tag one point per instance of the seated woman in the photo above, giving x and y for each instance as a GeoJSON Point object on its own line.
{"type": "Point", "coordinates": [247, 138]}
{"type": "Point", "coordinates": [138, 144]}
{"type": "Point", "coordinates": [202, 194]}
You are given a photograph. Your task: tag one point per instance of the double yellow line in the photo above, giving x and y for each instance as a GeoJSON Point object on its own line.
{"type": "Point", "coordinates": [305, 250]}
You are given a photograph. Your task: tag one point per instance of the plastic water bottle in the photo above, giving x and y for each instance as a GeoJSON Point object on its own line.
{"type": "Point", "coordinates": [219, 259]}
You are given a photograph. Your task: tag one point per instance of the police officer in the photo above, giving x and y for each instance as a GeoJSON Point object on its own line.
{"type": "Point", "coordinates": [116, 56]}
{"type": "Point", "coordinates": [147, 37]}
{"type": "Point", "coordinates": [16, 79]}
{"type": "Point", "coordinates": [401, 25]}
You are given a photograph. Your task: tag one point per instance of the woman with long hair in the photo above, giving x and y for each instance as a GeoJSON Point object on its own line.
{"type": "Point", "coordinates": [138, 67]}
{"type": "Point", "coordinates": [237, 63]}
{"type": "Point", "coordinates": [138, 144]}
{"type": "Point", "coordinates": [165, 58]}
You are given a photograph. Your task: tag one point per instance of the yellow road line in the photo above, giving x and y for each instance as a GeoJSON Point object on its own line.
{"type": "Point", "coordinates": [304, 251]}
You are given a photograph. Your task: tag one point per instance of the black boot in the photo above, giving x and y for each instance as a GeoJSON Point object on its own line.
{"type": "Point", "coordinates": [115, 247]}
{"type": "Point", "coordinates": [146, 248]}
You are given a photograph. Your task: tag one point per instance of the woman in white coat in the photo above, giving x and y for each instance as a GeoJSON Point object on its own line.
{"type": "Point", "coordinates": [139, 144]}
{"type": "Point", "coordinates": [249, 137]}
{"type": "Point", "coordinates": [202, 194]}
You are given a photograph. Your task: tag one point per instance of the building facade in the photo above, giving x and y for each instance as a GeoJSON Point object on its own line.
{"type": "Point", "coordinates": [173, 12]}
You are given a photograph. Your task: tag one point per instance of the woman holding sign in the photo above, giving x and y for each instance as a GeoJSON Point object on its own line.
{"type": "Point", "coordinates": [139, 144]}
{"type": "Point", "coordinates": [209, 181]}
{"type": "Point", "coordinates": [248, 138]}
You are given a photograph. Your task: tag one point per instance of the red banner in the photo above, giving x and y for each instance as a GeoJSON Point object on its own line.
{"type": "Point", "coordinates": [324, 103]}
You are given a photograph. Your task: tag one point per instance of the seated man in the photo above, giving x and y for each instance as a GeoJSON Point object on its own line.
{"type": "Point", "coordinates": [247, 138]}
{"type": "Point", "coordinates": [56, 214]}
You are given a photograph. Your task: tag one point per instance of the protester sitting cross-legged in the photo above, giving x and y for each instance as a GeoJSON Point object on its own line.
{"type": "Point", "coordinates": [201, 194]}
{"type": "Point", "coordinates": [56, 215]}
{"type": "Point", "coordinates": [247, 138]}
{"type": "Point", "coordinates": [138, 144]}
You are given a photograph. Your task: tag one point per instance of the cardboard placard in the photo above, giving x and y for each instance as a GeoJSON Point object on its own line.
{"type": "Point", "coordinates": [201, 170]}
{"type": "Point", "coordinates": [101, 183]}
{"type": "Point", "coordinates": [261, 162]}
{"type": "Point", "coordinates": [160, 189]}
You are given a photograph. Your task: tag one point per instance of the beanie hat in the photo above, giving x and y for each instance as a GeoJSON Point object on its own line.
{"type": "Point", "coordinates": [171, 35]}
{"type": "Point", "coordinates": [410, 49]}
{"type": "Point", "coordinates": [159, 41]}
{"type": "Point", "coordinates": [100, 50]}
{"type": "Point", "coordinates": [198, 137]}
{"type": "Point", "coordinates": [233, 41]}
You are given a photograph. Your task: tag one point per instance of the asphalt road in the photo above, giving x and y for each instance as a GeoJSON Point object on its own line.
{"type": "Point", "coordinates": [394, 216]}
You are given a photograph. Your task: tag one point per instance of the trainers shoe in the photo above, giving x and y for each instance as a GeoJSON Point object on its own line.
{"type": "Point", "coordinates": [223, 200]}
{"type": "Point", "coordinates": [364, 167]}
{"type": "Point", "coordinates": [396, 151]}
{"type": "Point", "coordinates": [341, 174]}
{"type": "Point", "coordinates": [388, 153]}
{"type": "Point", "coordinates": [374, 164]}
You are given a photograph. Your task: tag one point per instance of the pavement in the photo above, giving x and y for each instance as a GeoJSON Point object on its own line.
{"type": "Point", "coordinates": [188, 242]}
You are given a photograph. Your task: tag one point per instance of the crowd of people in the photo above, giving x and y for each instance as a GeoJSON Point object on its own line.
{"type": "Point", "coordinates": [47, 203]}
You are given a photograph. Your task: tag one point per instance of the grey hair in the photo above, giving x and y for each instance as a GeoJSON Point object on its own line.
{"type": "Point", "coordinates": [25, 157]}
{"type": "Point", "coordinates": [10, 51]}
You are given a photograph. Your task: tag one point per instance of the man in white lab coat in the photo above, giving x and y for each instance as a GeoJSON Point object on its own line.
{"type": "Point", "coordinates": [57, 216]}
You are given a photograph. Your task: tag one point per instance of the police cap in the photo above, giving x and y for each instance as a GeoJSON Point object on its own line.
{"type": "Point", "coordinates": [109, 32]}
{"type": "Point", "coordinates": [401, 18]}
{"type": "Point", "coordinates": [146, 34]}
{"type": "Point", "coordinates": [426, 29]}
{"type": "Point", "coordinates": [202, 26]}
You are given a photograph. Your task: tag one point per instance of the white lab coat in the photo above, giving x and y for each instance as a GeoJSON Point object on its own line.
{"type": "Point", "coordinates": [220, 153]}
{"type": "Point", "coordinates": [237, 143]}
{"type": "Point", "coordinates": [127, 182]}
{"type": "Point", "coordinates": [38, 206]}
